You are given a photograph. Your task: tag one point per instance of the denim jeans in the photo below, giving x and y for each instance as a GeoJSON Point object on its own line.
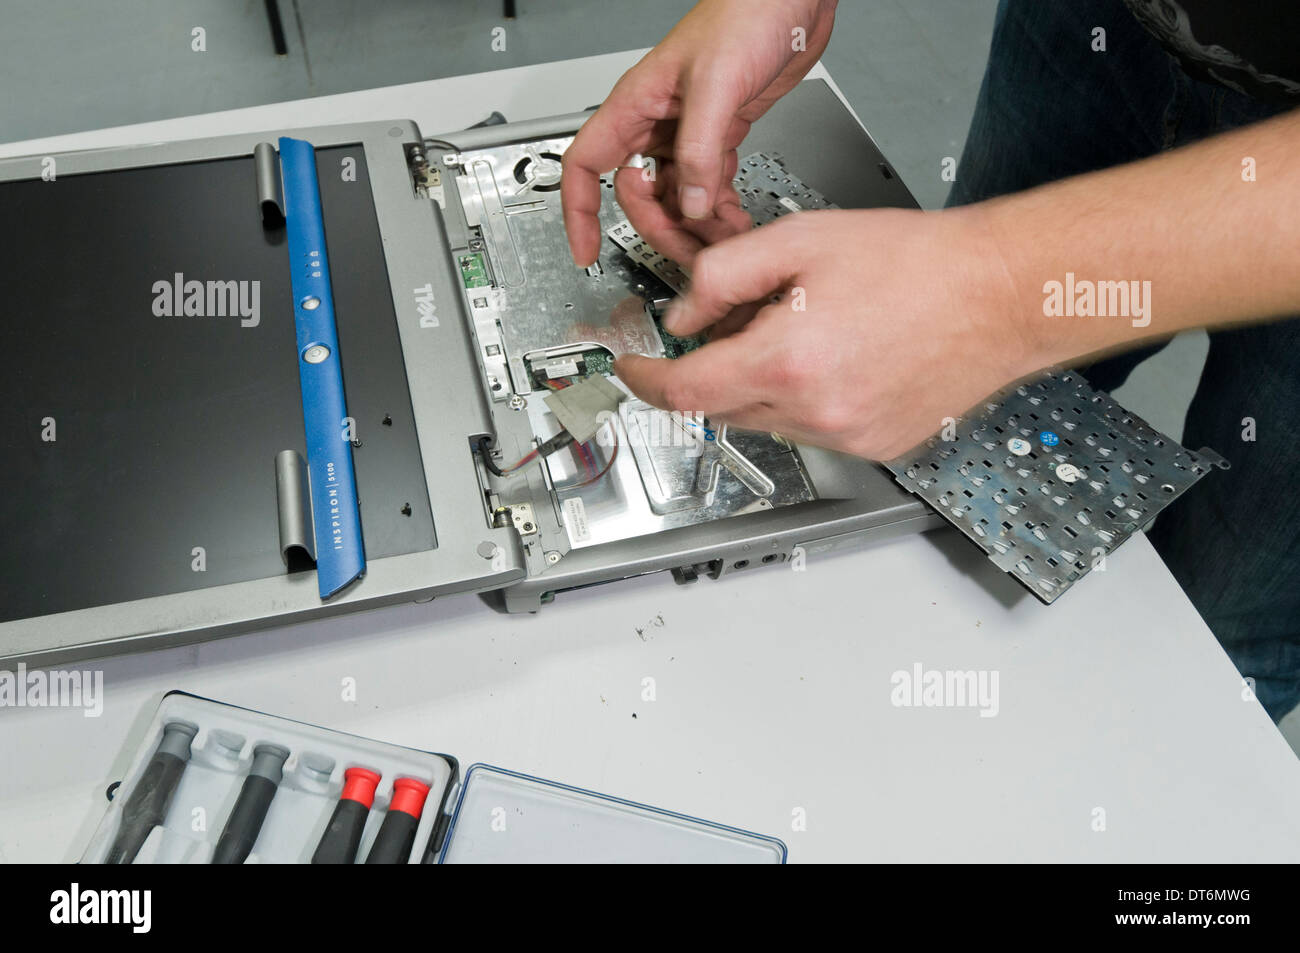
{"type": "Point", "coordinates": [1051, 107]}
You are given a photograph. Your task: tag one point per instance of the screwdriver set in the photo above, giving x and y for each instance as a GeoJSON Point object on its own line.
{"type": "Point", "coordinates": [224, 785]}
{"type": "Point", "coordinates": [211, 783]}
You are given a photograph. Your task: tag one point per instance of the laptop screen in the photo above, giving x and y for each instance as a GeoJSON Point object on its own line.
{"type": "Point", "coordinates": [152, 378]}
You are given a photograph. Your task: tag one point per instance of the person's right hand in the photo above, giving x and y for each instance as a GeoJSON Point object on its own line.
{"type": "Point", "coordinates": [689, 103]}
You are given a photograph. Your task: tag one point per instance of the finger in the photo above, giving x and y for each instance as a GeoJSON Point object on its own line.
{"type": "Point", "coordinates": [765, 418]}
{"type": "Point", "coordinates": [729, 210]}
{"type": "Point", "coordinates": [757, 417]}
{"type": "Point", "coordinates": [740, 270]}
{"type": "Point", "coordinates": [735, 322]}
{"type": "Point", "coordinates": [710, 102]}
{"type": "Point", "coordinates": [728, 218]}
{"type": "Point", "coordinates": [653, 214]}
{"type": "Point", "coordinates": [650, 203]}
{"type": "Point", "coordinates": [713, 379]}
{"type": "Point", "coordinates": [605, 140]}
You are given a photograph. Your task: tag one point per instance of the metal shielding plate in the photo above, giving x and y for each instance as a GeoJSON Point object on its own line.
{"type": "Point", "coordinates": [1049, 477]}
{"type": "Point", "coordinates": [535, 303]}
{"type": "Point", "coordinates": [540, 303]}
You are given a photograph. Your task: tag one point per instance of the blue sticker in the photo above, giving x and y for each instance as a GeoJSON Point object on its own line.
{"type": "Point", "coordinates": [709, 432]}
{"type": "Point", "coordinates": [1049, 439]}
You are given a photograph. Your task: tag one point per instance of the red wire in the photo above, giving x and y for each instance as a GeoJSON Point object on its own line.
{"type": "Point", "coordinates": [612, 457]}
{"type": "Point", "coordinates": [520, 462]}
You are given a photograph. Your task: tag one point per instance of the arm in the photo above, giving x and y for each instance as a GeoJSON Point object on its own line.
{"type": "Point", "coordinates": [1217, 250]}
{"type": "Point", "coordinates": [875, 303]}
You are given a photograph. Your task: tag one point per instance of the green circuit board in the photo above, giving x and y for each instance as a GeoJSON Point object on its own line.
{"type": "Point", "coordinates": [675, 346]}
{"type": "Point", "coordinates": [473, 271]}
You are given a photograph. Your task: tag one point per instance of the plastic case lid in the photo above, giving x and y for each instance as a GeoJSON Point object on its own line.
{"type": "Point", "coordinates": [505, 817]}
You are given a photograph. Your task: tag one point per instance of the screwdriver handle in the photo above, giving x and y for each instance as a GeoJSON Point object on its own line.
{"type": "Point", "coordinates": [249, 813]}
{"type": "Point", "coordinates": [151, 797]}
{"type": "Point", "coordinates": [396, 834]}
{"type": "Point", "coordinates": [342, 837]}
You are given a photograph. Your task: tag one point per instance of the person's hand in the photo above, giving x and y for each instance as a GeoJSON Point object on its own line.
{"type": "Point", "coordinates": [689, 103]}
{"type": "Point", "coordinates": [887, 322]}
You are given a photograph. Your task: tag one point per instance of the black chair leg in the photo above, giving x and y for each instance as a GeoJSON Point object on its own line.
{"type": "Point", "coordinates": [277, 27]}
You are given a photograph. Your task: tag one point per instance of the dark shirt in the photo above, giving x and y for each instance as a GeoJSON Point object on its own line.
{"type": "Point", "coordinates": [1252, 46]}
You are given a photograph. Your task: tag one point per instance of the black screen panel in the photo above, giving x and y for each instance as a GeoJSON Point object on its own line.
{"type": "Point", "coordinates": [166, 427]}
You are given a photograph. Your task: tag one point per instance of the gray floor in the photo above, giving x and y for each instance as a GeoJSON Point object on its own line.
{"type": "Point", "coordinates": [911, 68]}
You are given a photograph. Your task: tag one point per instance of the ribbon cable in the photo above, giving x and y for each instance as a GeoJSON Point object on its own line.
{"type": "Point", "coordinates": [336, 519]}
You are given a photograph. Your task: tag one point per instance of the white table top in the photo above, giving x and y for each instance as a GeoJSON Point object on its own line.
{"type": "Point", "coordinates": [773, 687]}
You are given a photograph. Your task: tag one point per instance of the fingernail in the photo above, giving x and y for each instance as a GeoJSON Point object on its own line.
{"type": "Point", "coordinates": [693, 200]}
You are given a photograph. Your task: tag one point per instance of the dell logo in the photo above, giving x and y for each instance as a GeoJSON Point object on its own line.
{"type": "Point", "coordinates": [424, 304]}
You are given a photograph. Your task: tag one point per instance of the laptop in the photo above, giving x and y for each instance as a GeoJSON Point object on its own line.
{"type": "Point", "coordinates": [175, 357]}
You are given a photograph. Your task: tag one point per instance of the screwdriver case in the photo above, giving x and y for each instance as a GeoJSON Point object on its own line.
{"type": "Point", "coordinates": [490, 815]}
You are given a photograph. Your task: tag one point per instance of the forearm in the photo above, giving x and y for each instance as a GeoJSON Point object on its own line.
{"type": "Point", "coordinates": [1192, 240]}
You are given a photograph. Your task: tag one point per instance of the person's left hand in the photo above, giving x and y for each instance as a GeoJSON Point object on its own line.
{"type": "Point", "coordinates": [888, 322]}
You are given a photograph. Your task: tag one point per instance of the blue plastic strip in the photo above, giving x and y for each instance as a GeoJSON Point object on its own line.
{"type": "Point", "coordinates": [340, 551]}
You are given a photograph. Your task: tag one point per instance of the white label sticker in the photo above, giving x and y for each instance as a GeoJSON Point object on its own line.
{"type": "Point", "coordinates": [1018, 446]}
{"type": "Point", "coordinates": [1068, 472]}
{"type": "Point", "coordinates": [575, 520]}
{"type": "Point", "coordinates": [562, 368]}
{"type": "Point", "coordinates": [790, 204]}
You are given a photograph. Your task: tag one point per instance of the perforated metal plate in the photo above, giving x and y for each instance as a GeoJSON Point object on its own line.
{"type": "Point", "coordinates": [1049, 477]}
{"type": "Point", "coordinates": [638, 249]}
{"type": "Point", "coordinates": [768, 190]}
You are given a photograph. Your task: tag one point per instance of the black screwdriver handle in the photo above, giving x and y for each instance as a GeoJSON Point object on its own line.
{"type": "Point", "coordinates": [249, 813]}
{"type": "Point", "coordinates": [342, 837]}
{"type": "Point", "coordinates": [147, 806]}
